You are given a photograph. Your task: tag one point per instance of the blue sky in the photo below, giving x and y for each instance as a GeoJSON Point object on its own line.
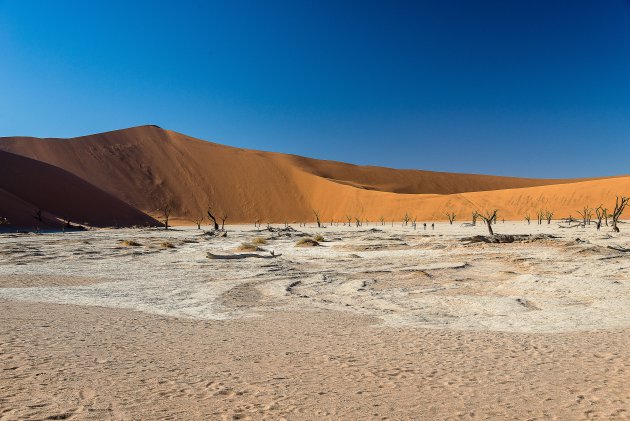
{"type": "Point", "coordinates": [523, 88]}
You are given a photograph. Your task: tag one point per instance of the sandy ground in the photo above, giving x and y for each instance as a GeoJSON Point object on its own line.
{"type": "Point", "coordinates": [376, 323]}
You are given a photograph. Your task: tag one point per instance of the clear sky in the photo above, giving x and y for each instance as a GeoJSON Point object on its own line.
{"type": "Point", "coordinates": [524, 88]}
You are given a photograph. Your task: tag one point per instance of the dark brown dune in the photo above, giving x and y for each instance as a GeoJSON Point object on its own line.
{"type": "Point", "coordinates": [27, 185]}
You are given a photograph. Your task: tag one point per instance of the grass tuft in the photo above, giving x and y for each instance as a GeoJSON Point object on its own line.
{"type": "Point", "coordinates": [247, 247]}
{"type": "Point", "coordinates": [306, 242]}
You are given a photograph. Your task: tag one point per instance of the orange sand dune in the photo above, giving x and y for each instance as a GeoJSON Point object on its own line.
{"type": "Point", "coordinates": [147, 167]}
{"type": "Point", "coordinates": [27, 185]}
{"type": "Point", "coordinates": [513, 204]}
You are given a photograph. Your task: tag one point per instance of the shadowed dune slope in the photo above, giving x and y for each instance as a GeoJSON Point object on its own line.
{"type": "Point", "coordinates": [147, 167]}
{"type": "Point", "coordinates": [27, 185]}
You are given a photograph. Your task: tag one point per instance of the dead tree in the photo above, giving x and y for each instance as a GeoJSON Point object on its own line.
{"type": "Point", "coordinates": [620, 205]}
{"type": "Point", "coordinates": [406, 219]}
{"type": "Point", "coordinates": [586, 213]}
{"type": "Point", "coordinates": [599, 214]}
{"type": "Point", "coordinates": [213, 219]}
{"type": "Point", "coordinates": [528, 218]}
{"type": "Point", "coordinates": [349, 218]}
{"type": "Point", "coordinates": [357, 221]}
{"type": "Point", "coordinates": [488, 217]}
{"type": "Point", "coordinates": [224, 218]}
{"type": "Point", "coordinates": [548, 216]}
{"type": "Point", "coordinates": [539, 216]}
{"type": "Point", "coordinates": [382, 219]}
{"type": "Point", "coordinates": [166, 214]}
{"type": "Point", "coordinates": [583, 215]}
{"type": "Point", "coordinates": [319, 223]}
{"type": "Point", "coordinates": [475, 215]}
{"type": "Point", "coordinates": [198, 220]}
{"type": "Point", "coordinates": [38, 215]}
{"type": "Point", "coordinates": [451, 217]}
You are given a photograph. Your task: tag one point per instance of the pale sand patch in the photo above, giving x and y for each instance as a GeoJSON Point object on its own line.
{"type": "Point", "coordinates": [92, 363]}
{"type": "Point", "coordinates": [554, 285]}
{"type": "Point", "coordinates": [32, 281]}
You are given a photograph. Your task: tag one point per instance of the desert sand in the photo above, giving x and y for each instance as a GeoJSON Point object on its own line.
{"type": "Point", "coordinates": [125, 320]}
{"type": "Point", "coordinates": [377, 322]}
{"type": "Point", "coordinates": [147, 167]}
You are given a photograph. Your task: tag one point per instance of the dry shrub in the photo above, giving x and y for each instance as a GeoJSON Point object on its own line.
{"type": "Point", "coordinates": [247, 247]}
{"type": "Point", "coordinates": [167, 245]}
{"type": "Point", "coordinates": [259, 241]}
{"type": "Point", "coordinates": [319, 238]}
{"type": "Point", "coordinates": [130, 243]}
{"type": "Point", "coordinates": [306, 242]}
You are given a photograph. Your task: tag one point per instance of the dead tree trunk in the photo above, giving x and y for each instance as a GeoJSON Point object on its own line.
{"type": "Point", "coordinates": [548, 216]}
{"type": "Point", "coordinates": [213, 219]}
{"type": "Point", "coordinates": [224, 218]}
{"type": "Point", "coordinates": [451, 217]}
{"type": "Point", "coordinates": [319, 224]}
{"type": "Point", "coordinates": [620, 205]}
{"type": "Point", "coordinates": [166, 213]}
{"type": "Point", "coordinates": [198, 221]}
{"type": "Point", "coordinates": [586, 213]}
{"type": "Point", "coordinates": [488, 218]}
{"type": "Point", "coordinates": [38, 215]}
{"type": "Point", "coordinates": [599, 214]}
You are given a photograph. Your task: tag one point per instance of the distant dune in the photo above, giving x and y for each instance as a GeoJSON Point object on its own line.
{"type": "Point", "coordinates": [146, 167]}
